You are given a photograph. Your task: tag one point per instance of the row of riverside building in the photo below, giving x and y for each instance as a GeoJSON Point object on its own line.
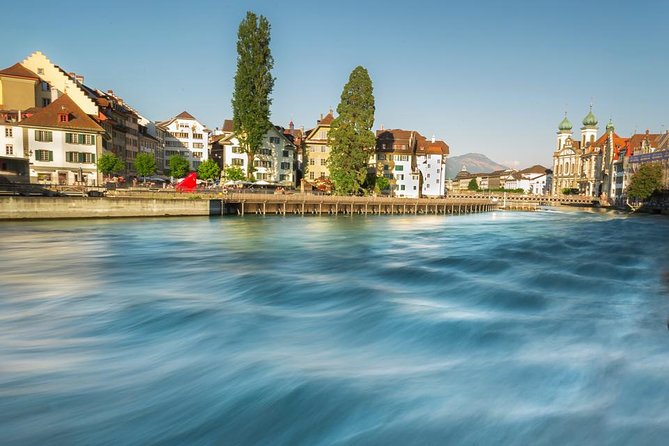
{"type": "Point", "coordinates": [602, 165]}
{"type": "Point", "coordinates": [54, 128]}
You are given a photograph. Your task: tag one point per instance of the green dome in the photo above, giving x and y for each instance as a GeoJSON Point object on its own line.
{"type": "Point", "coordinates": [609, 126]}
{"type": "Point", "coordinates": [590, 120]}
{"type": "Point", "coordinates": [565, 124]}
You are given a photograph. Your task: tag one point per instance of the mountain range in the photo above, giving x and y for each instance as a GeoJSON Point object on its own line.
{"type": "Point", "coordinates": [475, 163]}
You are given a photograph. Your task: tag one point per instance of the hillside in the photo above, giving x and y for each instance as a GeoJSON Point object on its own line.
{"type": "Point", "coordinates": [475, 162]}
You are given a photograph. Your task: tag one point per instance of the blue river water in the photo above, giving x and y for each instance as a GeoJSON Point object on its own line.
{"type": "Point", "coordinates": [499, 328]}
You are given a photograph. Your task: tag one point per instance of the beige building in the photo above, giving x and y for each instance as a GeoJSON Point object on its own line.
{"type": "Point", "coordinates": [317, 150]}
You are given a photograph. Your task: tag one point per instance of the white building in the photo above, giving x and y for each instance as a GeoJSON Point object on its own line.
{"type": "Point", "coordinates": [185, 136]}
{"type": "Point", "coordinates": [275, 159]}
{"type": "Point", "coordinates": [63, 144]}
{"type": "Point", "coordinates": [13, 159]}
{"type": "Point", "coordinates": [431, 162]}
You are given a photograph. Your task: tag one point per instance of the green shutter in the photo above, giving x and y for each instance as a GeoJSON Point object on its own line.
{"type": "Point", "coordinates": [50, 155]}
{"type": "Point", "coordinates": [93, 158]}
{"type": "Point", "coordinates": [93, 139]}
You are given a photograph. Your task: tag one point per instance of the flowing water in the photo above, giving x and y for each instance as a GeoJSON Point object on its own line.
{"type": "Point", "coordinates": [498, 328]}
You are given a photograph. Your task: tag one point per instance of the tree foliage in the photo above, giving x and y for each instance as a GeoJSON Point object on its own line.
{"type": "Point", "coordinates": [208, 170]}
{"type": "Point", "coordinates": [145, 164]}
{"type": "Point", "coordinates": [645, 181]}
{"type": "Point", "coordinates": [350, 137]}
{"type": "Point", "coordinates": [233, 173]}
{"type": "Point", "coordinates": [253, 84]}
{"type": "Point", "coordinates": [109, 163]}
{"type": "Point", "coordinates": [473, 185]}
{"type": "Point", "coordinates": [381, 184]}
{"type": "Point", "coordinates": [179, 166]}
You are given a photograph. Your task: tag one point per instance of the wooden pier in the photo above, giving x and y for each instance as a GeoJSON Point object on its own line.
{"type": "Point", "coordinates": [307, 204]}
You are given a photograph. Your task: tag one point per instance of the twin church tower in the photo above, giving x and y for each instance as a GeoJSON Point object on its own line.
{"type": "Point", "coordinates": [581, 166]}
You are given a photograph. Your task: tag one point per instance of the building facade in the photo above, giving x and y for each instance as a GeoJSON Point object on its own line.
{"type": "Point", "coordinates": [185, 136]}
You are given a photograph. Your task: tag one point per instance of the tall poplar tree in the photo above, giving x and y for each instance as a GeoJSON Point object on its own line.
{"type": "Point", "coordinates": [253, 84]}
{"type": "Point", "coordinates": [350, 137]}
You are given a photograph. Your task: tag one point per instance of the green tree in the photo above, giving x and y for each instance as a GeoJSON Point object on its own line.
{"type": "Point", "coordinates": [473, 185]}
{"type": "Point", "coordinates": [253, 84]}
{"type": "Point", "coordinates": [209, 170]}
{"type": "Point", "coordinates": [645, 181]}
{"type": "Point", "coordinates": [382, 183]}
{"type": "Point", "coordinates": [350, 137]}
{"type": "Point", "coordinates": [108, 163]}
{"type": "Point", "coordinates": [233, 173]}
{"type": "Point", "coordinates": [145, 164]}
{"type": "Point", "coordinates": [179, 166]}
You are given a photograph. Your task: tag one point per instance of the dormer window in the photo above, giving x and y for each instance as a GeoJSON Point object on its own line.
{"type": "Point", "coordinates": [63, 117]}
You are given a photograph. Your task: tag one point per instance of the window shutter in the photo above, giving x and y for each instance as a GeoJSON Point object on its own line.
{"type": "Point", "coordinates": [82, 157]}
{"type": "Point", "coordinates": [81, 138]}
{"type": "Point", "coordinates": [93, 157]}
{"type": "Point", "coordinates": [50, 155]}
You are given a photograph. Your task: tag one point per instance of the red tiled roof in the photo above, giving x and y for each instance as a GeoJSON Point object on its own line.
{"type": "Point", "coordinates": [327, 119]}
{"type": "Point", "coordinates": [228, 125]}
{"type": "Point", "coordinates": [185, 115]}
{"type": "Point", "coordinates": [49, 116]}
{"type": "Point", "coordinates": [534, 169]}
{"type": "Point", "coordinates": [18, 70]}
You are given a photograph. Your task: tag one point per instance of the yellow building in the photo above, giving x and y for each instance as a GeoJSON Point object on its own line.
{"type": "Point", "coordinates": [317, 149]}
{"type": "Point", "coordinates": [21, 89]}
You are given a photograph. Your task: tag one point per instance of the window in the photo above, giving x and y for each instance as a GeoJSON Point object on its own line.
{"type": "Point", "coordinates": [196, 164]}
{"type": "Point", "coordinates": [80, 138]}
{"type": "Point", "coordinates": [402, 187]}
{"type": "Point", "coordinates": [40, 71]}
{"type": "Point", "coordinates": [286, 153]}
{"type": "Point", "coordinates": [265, 152]}
{"type": "Point", "coordinates": [401, 157]}
{"type": "Point", "coordinates": [322, 174]}
{"type": "Point", "coordinates": [312, 162]}
{"type": "Point", "coordinates": [385, 167]}
{"type": "Point", "coordinates": [197, 154]}
{"type": "Point", "coordinates": [262, 163]}
{"type": "Point", "coordinates": [171, 152]}
{"type": "Point", "coordinates": [236, 149]}
{"type": "Point", "coordinates": [45, 102]}
{"type": "Point", "coordinates": [8, 132]}
{"type": "Point", "coordinates": [43, 136]}
{"type": "Point", "coordinates": [401, 168]}
{"type": "Point", "coordinates": [285, 166]}
{"type": "Point", "coordinates": [179, 134]}
{"type": "Point", "coordinates": [381, 157]}
{"type": "Point", "coordinates": [323, 149]}
{"type": "Point", "coordinates": [323, 134]}
{"type": "Point", "coordinates": [400, 176]}
{"type": "Point", "coordinates": [428, 186]}
{"type": "Point", "coordinates": [184, 126]}
{"type": "Point", "coordinates": [198, 145]}
{"type": "Point", "coordinates": [323, 161]}
{"type": "Point", "coordinates": [197, 135]}
{"type": "Point", "coordinates": [311, 175]}
{"type": "Point", "coordinates": [79, 157]}
{"type": "Point", "coordinates": [237, 162]}
{"type": "Point", "coordinates": [284, 177]}
{"type": "Point", "coordinates": [9, 149]}
{"type": "Point", "coordinates": [274, 140]}
{"type": "Point", "coordinates": [428, 175]}
{"type": "Point", "coordinates": [63, 117]}
{"type": "Point", "coordinates": [43, 155]}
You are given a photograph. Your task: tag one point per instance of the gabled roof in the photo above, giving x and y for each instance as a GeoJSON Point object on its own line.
{"type": "Point", "coordinates": [327, 120]}
{"type": "Point", "coordinates": [637, 139]}
{"type": "Point", "coordinates": [49, 117]}
{"type": "Point", "coordinates": [228, 125]}
{"type": "Point", "coordinates": [663, 142]}
{"type": "Point", "coordinates": [18, 70]}
{"type": "Point", "coordinates": [534, 169]}
{"type": "Point", "coordinates": [185, 115]}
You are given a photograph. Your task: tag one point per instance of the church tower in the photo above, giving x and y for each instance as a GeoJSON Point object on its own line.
{"type": "Point", "coordinates": [564, 132]}
{"type": "Point", "coordinates": [589, 129]}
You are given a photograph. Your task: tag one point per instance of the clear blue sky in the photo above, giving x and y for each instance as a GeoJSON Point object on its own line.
{"type": "Point", "coordinates": [486, 76]}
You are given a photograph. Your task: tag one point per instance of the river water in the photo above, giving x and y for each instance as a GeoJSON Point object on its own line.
{"type": "Point", "coordinates": [498, 328]}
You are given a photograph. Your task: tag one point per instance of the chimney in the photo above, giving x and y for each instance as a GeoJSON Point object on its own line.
{"type": "Point", "coordinates": [433, 139]}
{"type": "Point", "coordinates": [110, 92]}
{"type": "Point", "coordinates": [79, 78]}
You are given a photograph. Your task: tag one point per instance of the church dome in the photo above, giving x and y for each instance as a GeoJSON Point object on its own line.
{"type": "Point", "coordinates": [565, 124]}
{"type": "Point", "coordinates": [590, 120]}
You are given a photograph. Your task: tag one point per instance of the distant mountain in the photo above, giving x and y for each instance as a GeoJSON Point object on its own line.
{"type": "Point", "coordinates": [475, 162]}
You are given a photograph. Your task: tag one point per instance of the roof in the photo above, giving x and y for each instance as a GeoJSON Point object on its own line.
{"type": "Point", "coordinates": [327, 119]}
{"type": "Point", "coordinates": [18, 70]}
{"type": "Point", "coordinates": [185, 115]}
{"type": "Point", "coordinates": [49, 117]}
{"type": "Point", "coordinates": [228, 125]}
{"type": "Point", "coordinates": [636, 140]}
{"type": "Point", "coordinates": [537, 168]}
